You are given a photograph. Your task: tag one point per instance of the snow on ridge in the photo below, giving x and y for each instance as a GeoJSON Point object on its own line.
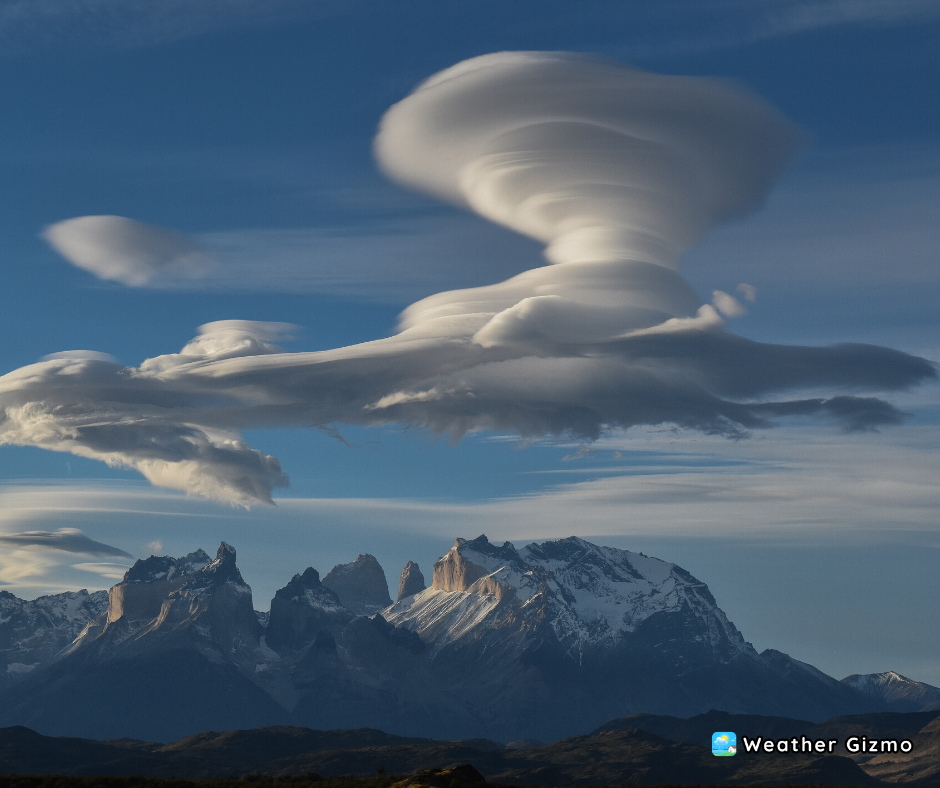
{"type": "Point", "coordinates": [315, 598]}
{"type": "Point", "coordinates": [441, 617]}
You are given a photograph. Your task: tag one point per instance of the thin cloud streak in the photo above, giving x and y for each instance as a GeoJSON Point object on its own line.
{"type": "Point", "coordinates": [35, 25]}
{"type": "Point", "coordinates": [27, 26]}
{"type": "Point", "coordinates": [68, 540]}
{"type": "Point", "coordinates": [385, 260]}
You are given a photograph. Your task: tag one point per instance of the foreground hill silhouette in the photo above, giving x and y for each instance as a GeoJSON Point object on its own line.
{"type": "Point", "coordinates": [641, 749]}
{"type": "Point", "coordinates": [609, 758]}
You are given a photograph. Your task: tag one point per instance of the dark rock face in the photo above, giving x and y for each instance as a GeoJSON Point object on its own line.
{"type": "Point", "coordinates": [301, 611]}
{"type": "Point", "coordinates": [361, 586]}
{"type": "Point", "coordinates": [412, 581]}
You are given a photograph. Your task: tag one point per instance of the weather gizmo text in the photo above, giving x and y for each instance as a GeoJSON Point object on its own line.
{"type": "Point", "coordinates": [854, 744]}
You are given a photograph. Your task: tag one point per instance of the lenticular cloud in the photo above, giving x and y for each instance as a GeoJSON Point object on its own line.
{"type": "Point", "coordinates": [617, 172]}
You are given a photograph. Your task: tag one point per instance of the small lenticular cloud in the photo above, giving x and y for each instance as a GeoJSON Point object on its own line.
{"type": "Point", "coordinates": [127, 251]}
{"type": "Point", "coordinates": [748, 291]}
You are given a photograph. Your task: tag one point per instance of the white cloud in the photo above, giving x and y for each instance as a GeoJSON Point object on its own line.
{"type": "Point", "coordinates": [728, 305]}
{"type": "Point", "coordinates": [618, 172]}
{"type": "Point", "coordinates": [154, 548]}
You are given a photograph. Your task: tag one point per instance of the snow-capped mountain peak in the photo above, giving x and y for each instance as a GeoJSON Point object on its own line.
{"type": "Point", "coordinates": [587, 594]}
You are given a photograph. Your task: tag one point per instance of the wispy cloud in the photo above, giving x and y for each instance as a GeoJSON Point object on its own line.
{"type": "Point", "coordinates": [602, 164]}
{"type": "Point", "coordinates": [108, 571]}
{"type": "Point", "coordinates": [702, 25]}
{"type": "Point", "coordinates": [30, 25]}
{"type": "Point", "coordinates": [783, 17]}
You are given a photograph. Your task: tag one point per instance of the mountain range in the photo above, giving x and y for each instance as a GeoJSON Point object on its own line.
{"type": "Point", "coordinates": [539, 643]}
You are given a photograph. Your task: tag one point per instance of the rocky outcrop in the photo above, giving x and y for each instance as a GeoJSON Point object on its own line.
{"type": "Point", "coordinates": [301, 610]}
{"type": "Point", "coordinates": [412, 581]}
{"type": "Point", "coordinates": [361, 586]}
{"type": "Point", "coordinates": [454, 572]}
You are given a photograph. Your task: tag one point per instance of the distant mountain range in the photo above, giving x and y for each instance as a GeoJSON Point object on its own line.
{"type": "Point", "coordinates": [539, 643]}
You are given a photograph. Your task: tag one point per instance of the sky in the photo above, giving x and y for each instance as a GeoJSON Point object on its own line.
{"type": "Point", "coordinates": [662, 276]}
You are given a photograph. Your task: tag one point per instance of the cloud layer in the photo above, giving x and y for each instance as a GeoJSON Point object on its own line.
{"type": "Point", "coordinates": [617, 172]}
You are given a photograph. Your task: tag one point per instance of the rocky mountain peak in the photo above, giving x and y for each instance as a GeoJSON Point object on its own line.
{"type": "Point", "coordinates": [361, 585]}
{"type": "Point", "coordinates": [140, 595]}
{"type": "Point", "coordinates": [411, 582]}
{"type": "Point", "coordinates": [222, 569]}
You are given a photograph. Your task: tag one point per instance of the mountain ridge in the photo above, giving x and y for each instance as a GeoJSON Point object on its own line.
{"type": "Point", "coordinates": [540, 642]}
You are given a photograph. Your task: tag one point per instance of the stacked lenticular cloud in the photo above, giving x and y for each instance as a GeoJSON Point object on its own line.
{"type": "Point", "coordinates": [617, 172]}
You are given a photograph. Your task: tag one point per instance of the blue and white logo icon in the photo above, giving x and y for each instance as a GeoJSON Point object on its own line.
{"type": "Point", "coordinates": [724, 743]}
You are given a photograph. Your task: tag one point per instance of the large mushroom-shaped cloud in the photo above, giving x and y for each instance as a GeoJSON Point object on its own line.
{"type": "Point", "coordinates": [618, 172]}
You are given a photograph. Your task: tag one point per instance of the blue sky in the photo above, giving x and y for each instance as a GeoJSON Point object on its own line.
{"type": "Point", "coordinates": [244, 132]}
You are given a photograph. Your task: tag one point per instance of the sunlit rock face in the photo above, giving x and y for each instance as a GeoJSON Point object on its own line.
{"type": "Point", "coordinates": [361, 585]}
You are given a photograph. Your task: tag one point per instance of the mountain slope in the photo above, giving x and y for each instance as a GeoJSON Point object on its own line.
{"type": "Point", "coordinates": [899, 692]}
{"type": "Point", "coordinates": [33, 632]}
